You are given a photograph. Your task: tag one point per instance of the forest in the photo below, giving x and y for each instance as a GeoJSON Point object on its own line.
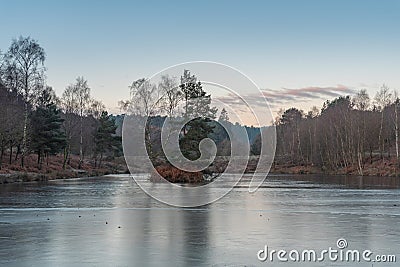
{"type": "Point", "coordinates": [34, 121]}
{"type": "Point", "coordinates": [350, 135]}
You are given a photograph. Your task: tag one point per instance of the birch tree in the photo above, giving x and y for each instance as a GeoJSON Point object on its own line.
{"type": "Point", "coordinates": [77, 100]}
{"type": "Point", "coordinates": [24, 72]}
{"type": "Point", "coordinates": [382, 99]}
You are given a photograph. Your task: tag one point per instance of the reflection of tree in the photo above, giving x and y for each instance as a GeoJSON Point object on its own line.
{"type": "Point", "coordinates": [196, 236]}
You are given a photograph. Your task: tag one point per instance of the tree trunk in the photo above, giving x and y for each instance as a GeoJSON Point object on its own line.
{"type": "Point", "coordinates": [1, 156]}
{"type": "Point", "coordinates": [396, 123]}
{"type": "Point", "coordinates": [311, 147]}
{"type": "Point", "coordinates": [370, 153]}
{"type": "Point", "coordinates": [11, 152]}
{"type": "Point", "coordinates": [66, 154]}
{"type": "Point", "coordinates": [24, 136]}
{"type": "Point", "coordinates": [101, 158]}
{"type": "Point", "coordinates": [39, 161]}
{"type": "Point", "coordinates": [360, 167]}
{"type": "Point", "coordinates": [18, 152]}
{"type": "Point", "coordinates": [81, 142]}
{"type": "Point", "coordinates": [381, 143]}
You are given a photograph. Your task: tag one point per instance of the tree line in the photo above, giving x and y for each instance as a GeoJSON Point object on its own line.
{"type": "Point", "coordinates": [34, 120]}
{"type": "Point", "coordinates": [346, 132]}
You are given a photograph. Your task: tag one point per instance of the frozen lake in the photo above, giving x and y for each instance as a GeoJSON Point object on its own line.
{"type": "Point", "coordinates": [109, 221]}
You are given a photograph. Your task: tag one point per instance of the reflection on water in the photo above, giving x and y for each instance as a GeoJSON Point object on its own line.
{"type": "Point", "coordinates": [109, 221]}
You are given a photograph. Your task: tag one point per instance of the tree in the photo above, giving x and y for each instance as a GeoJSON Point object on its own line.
{"type": "Point", "coordinates": [76, 102]}
{"type": "Point", "coordinates": [198, 109]}
{"type": "Point", "coordinates": [96, 109]}
{"type": "Point", "coordinates": [223, 117]}
{"type": "Point", "coordinates": [144, 97]}
{"type": "Point", "coordinates": [70, 107]}
{"type": "Point", "coordinates": [144, 104]}
{"type": "Point", "coordinates": [11, 121]}
{"type": "Point", "coordinates": [361, 100]}
{"type": "Point", "coordinates": [47, 135]}
{"type": "Point", "coordinates": [105, 139]}
{"type": "Point", "coordinates": [82, 92]}
{"type": "Point", "coordinates": [220, 134]}
{"type": "Point", "coordinates": [396, 126]}
{"type": "Point", "coordinates": [291, 116]}
{"type": "Point", "coordinates": [23, 71]}
{"type": "Point", "coordinates": [290, 123]}
{"type": "Point", "coordinates": [171, 95]}
{"type": "Point", "coordinates": [383, 99]}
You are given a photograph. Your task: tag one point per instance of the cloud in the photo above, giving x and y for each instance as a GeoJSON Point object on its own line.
{"type": "Point", "coordinates": [305, 93]}
{"type": "Point", "coordinates": [288, 96]}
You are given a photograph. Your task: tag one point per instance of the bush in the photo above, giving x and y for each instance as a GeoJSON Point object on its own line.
{"type": "Point", "coordinates": [175, 175]}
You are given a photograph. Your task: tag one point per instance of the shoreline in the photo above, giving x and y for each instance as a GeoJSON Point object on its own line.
{"type": "Point", "coordinates": [377, 169]}
{"type": "Point", "coordinates": [26, 177]}
{"type": "Point", "coordinates": [54, 170]}
{"type": "Point", "coordinates": [385, 171]}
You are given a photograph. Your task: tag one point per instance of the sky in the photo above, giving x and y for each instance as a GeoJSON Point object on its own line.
{"type": "Point", "coordinates": [299, 52]}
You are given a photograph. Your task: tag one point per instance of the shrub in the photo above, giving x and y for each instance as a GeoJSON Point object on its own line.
{"type": "Point", "coordinates": [175, 175]}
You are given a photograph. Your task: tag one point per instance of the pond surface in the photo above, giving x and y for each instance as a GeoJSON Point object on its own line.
{"type": "Point", "coordinates": [109, 221]}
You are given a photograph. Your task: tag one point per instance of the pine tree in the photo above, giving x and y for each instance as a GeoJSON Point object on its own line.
{"type": "Point", "coordinates": [198, 107]}
{"type": "Point", "coordinates": [105, 139]}
{"type": "Point", "coordinates": [223, 117]}
{"type": "Point", "coordinates": [47, 136]}
{"type": "Point", "coordinates": [220, 134]}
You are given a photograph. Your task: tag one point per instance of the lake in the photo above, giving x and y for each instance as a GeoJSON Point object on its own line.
{"type": "Point", "coordinates": [110, 221]}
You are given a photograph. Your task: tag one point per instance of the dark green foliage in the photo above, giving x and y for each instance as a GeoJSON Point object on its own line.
{"type": "Point", "coordinates": [47, 137]}
{"type": "Point", "coordinates": [105, 139]}
{"type": "Point", "coordinates": [198, 107]}
{"type": "Point", "coordinates": [291, 116]}
{"type": "Point", "coordinates": [340, 103]}
{"type": "Point", "coordinates": [197, 130]}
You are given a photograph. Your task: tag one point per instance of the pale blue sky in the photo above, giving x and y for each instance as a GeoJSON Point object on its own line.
{"type": "Point", "coordinates": [279, 44]}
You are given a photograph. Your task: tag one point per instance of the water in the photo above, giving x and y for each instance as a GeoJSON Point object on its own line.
{"type": "Point", "coordinates": [109, 221]}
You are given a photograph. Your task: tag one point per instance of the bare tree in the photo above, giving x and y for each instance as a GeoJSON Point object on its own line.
{"type": "Point", "coordinates": [82, 92]}
{"type": "Point", "coordinates": [396, 125]}
{"type": "Point", "coordinates": [76, 101]}
{"type": "Point", "coordinates": [96, 108]}
{"type": "Point", "coordinates": [70, 107]}
{"type": "Point", "coordinates": [362, 102]}
{"type": "Point", "coordinates": [24, 72]}
{"type": "Point", "coordinates": [383, 99]}
{"type": "Point", "coordinates": [171, 95]}
{"type": "Point", "coordinates": [11, 119]}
